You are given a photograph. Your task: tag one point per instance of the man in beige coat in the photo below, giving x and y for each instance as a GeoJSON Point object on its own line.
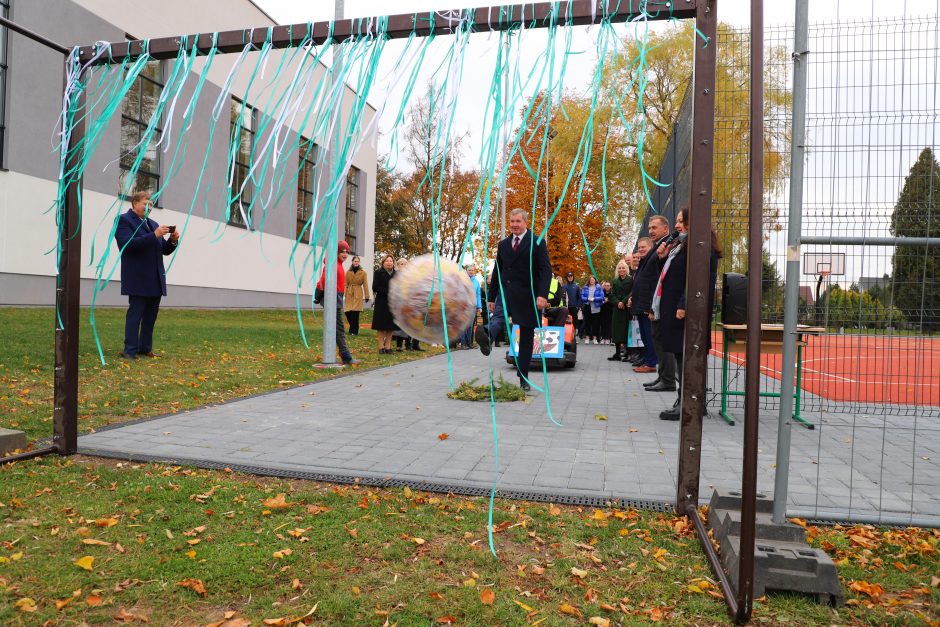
{"type": "Point", "coordinates": [357, 293]}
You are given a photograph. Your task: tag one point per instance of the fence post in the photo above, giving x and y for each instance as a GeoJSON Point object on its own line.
{"type": "Point", "coordinates": [791, 301]}
{"type": "Point", "coordinates": [694, 368]}
{"type": "Point", "coordinates": [68, 287]}
{"type": "Point", "coordinates": [330, 256]}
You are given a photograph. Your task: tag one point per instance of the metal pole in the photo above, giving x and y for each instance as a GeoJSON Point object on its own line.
{"type": "Point", "coordinates": [791, 301]}
{"type": "Point", "coordinates": [502, 211]}
{"type": "Point", "coordinates": [332, 239]}
{"type": "Point", "coordinates": [694, 368]}
{"type": "Point", "coordinates": [752, 367]}
{"type": "Point", "coordinates": [68, 278]}
{"type": "Point", "coordinates": [22, 30]}
{"type": "Point", "coordinates": [829, 240]}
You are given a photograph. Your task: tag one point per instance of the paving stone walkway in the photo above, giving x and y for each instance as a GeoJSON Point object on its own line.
{"type": "Point", "coordinates": [385, 424]}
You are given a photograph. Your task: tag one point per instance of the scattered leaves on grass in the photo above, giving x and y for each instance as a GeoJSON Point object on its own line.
{"type": "Point", "coordinates": [284, 620]}
{"type": "Point", "coordinates": [26, 604]}
{"type": "Point", "coordinates": [872, 590]}
{"type": "Point", "coordinates": [193, 584]}
{"type": "Point", "coordinates": [278, 502]}
{"type": "Point", "coordinates": [570, 610]}
{"type": "Point", "coordinates": [487, 596]}
{"type": "Point", "coordinates": [85, 563]}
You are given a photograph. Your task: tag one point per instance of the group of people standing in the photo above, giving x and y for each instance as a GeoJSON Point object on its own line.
{"type": "Point", "coordinates": [646, 297]}
{"type": "Point", "coordinates": [648, 288]}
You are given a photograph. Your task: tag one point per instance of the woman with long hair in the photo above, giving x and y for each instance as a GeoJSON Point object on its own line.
{"type": "Point", "coordinates": [382, 321]}
{"type": "Point", "coordinates": [619, 314]}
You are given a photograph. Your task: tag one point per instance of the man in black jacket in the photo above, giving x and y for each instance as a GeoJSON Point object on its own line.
{"type": "Point", "coordinates": [642, 302]}
{"type": "Point", "coordinates": [523, 270]}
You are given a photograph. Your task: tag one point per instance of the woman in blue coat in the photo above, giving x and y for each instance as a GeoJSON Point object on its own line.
{"type": "Point", "coordinates": [592, 299]}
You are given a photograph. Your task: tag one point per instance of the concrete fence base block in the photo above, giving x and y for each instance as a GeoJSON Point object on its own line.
{"type": "Point", "coordinates": [11, 440]}
{"type": "Point", "coordinates": [783, 561]}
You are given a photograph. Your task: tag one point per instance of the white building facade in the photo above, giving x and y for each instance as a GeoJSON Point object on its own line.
{"type": "Point", "coordinates": [217, 265]}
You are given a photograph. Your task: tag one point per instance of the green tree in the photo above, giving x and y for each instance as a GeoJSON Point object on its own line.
{"type": "Point", "coordinates": [772, 291]}
{"type": "Point", "coordinates": [669, 57]}
{"type": "Point", "coordinates": [857, 310]}
{"type": "Point", "coordinates": [916, 268]}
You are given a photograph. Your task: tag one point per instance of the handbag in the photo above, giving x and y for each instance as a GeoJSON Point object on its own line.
{"type": "Point", "coordinates": [633, 334]}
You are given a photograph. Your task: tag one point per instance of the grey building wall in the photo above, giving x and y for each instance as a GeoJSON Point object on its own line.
{"type": "Point", "coordinates": [34, 97]}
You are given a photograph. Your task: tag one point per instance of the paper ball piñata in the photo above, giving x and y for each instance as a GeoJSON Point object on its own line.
{"type": "Point", "coordinates": [415, 296]}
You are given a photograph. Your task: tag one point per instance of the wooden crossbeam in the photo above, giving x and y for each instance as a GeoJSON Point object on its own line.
{"type": "Point", "coordinates": [483, 20]}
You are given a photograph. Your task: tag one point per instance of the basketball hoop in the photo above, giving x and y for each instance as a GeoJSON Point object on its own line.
{"type": "Point", "coordinates": [824, 273]}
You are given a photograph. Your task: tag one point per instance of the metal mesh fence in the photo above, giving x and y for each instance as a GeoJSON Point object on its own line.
{"type": "Point", "coordinates": [870, 172]}
{"type": "Point", "coordinates": [870, 376]}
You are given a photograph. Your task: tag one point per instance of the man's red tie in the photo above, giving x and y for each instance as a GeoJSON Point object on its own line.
{"type": "Point", "coordinates": [515, 244]}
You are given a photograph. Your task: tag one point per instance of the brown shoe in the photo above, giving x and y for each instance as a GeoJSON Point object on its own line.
{"type": "Point", "coordinates": [150, 354]}
{"type": "Point", "coordinates": [645, 369]}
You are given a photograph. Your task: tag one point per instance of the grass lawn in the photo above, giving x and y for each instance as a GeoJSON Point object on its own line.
{"type": "Point", "coordinates": [204, 356]}
{"type": "Point", "coordinates": [98, 541]}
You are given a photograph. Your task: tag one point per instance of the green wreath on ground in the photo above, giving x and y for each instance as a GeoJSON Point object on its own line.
{"type": "Point", "coordinates": [503, 391]}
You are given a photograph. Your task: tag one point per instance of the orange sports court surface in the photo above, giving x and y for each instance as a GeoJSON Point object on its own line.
{"type": "Point", "coordinates": [862, 368]}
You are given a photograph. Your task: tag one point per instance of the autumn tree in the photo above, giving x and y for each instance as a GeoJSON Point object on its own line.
{"type": "Point", "coordinates": [436, 198]}
{"type": "Point", "coordinates": [666, 77]}
{"type": "Point", "coordinates": [391, 236]}
{"type": "Point", "coordinates": [560, 179]}
{"type": "Point", "coordinates": [916, 268]}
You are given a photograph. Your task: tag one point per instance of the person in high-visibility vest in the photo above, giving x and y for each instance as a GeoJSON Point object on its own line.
{"type": "Point", "coordinates": [556, 312]}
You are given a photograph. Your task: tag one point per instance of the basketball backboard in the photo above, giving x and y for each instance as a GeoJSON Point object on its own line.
{"type": "Point", "coordinates": [824, 263]}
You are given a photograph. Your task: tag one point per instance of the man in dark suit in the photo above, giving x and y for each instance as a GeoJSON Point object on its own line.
{"type": "Point", "coordinates": [644, 284]}
{"type": "Point", "coordinates": [522, 269]}
{"type": "Point", "coordinates": [142, 244]}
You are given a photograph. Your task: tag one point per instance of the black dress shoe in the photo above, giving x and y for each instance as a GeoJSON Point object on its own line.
{"type": "Point", "coordinates": [652, 383]}
{"type": "Point", "coordinates": [670, 414]}
{"type": "Point", "coordinates": [525, 386]}
{"type": "Point", "coordinates": [483, 339]}
{"type": "Point", "coordinates": [614, 357]}
{"type": "Point", "coordinates": [661, 387]}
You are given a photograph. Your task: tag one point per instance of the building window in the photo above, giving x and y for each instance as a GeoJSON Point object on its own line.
{"type": "Point", "coordinates": [244, 125]}
{"type": "Point", "coordinates": [4, 35]}
{"type": "Point", "coordinates": [306, 185]}
{"type": "Point", "coordinates": [352, 208]}
{"type": "Point", "coordinates": [138, 107]}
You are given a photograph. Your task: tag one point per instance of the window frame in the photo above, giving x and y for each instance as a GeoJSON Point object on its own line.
{"type": "Point", "coordinates": [352, 207]}
{"type": "Point", "coordinates": [235, 166]}
{"type": "Point", "coordinates": [5, 7]}
{"type": "Point", "coordinates": [308, 153]}
{"type": "Point", "coordinates": [156, 175]}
